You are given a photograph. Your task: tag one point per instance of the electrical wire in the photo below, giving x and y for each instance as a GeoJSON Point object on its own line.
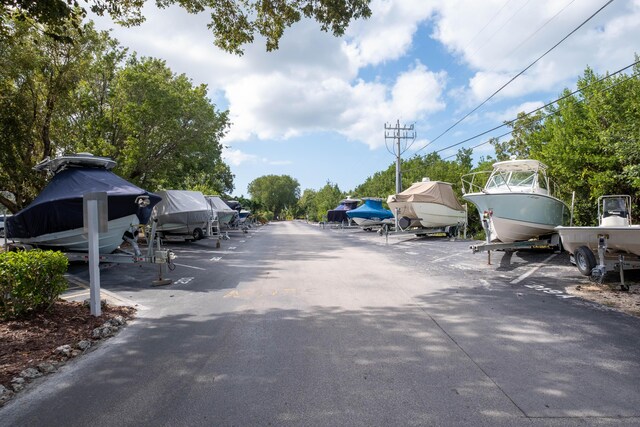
{"type": "Point", "coordinates": [500, 28]}
{"type": "Point", "coordinates": [510, 122]}
{"type": "Point", "coordinates": [538, 29]}
{"type": "Point", "coordinates": [548, 115]}
{"type": "Point", "coordinates": [517, 75]}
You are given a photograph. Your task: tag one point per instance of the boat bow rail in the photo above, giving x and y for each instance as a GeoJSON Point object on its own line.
{"type": "Point", "coordinates": [475, 182]}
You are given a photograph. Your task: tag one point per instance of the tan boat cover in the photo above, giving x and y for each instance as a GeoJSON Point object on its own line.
{"type": "Point", "coordinates": [429, 192]}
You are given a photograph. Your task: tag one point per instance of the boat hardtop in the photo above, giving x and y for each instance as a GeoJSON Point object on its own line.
{"type": "Point", "coordinates": [518, 176]}
{"type": "Point", "coordinates": [75, 160]}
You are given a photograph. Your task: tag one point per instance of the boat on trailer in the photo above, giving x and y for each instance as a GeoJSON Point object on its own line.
{"type": "Point", "coordinates": [370, 213]}
{"type": "Point", "coordinates": [516, 203]}
{"type": "Point", "coordinates": [54, 220]}
{"type": "Point", "coordinates": [182, 215]}
{"type": "Point", "coordinates": [615, 239]}
{"type": "Point", "coordinates": [220, 211]}
{"type": "Point", "coordinates": [339, 214]}
{"type": "Point", "coordinates": [427, 204]}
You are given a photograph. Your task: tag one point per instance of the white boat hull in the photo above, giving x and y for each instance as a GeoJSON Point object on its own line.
{"type": "Point", "coordinates": [624, 239]}
{"type": "Point", "coordinates": [519, 216]}
{"type": "Point", "coordinates": [77, 241]}
{"type": "Point", "coordinates": [367, 222]}
{"type": "Point", "coordinates": [427, 215]}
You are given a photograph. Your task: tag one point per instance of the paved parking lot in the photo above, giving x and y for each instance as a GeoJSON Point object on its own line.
{"type": "Point", "coordinates": [291, 324]}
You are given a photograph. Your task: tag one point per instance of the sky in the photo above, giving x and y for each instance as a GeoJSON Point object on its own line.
{"type": "Point", "coordinates": [316, 109]}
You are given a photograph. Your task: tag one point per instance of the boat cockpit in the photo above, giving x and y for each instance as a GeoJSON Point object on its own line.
{"type": "Point", "coordinates": [517, 181]}
{"type": "Point", "coordinates": [614, 211]}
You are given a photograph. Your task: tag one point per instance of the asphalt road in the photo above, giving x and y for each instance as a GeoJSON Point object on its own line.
{"type": "Point", "coordinates": [291, 324]}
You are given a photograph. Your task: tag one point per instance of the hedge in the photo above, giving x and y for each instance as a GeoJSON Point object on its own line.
{"type": "Point", "coordinates": [30, 281]}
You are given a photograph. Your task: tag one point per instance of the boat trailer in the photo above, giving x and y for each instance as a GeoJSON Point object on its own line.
{"type": "Point", "coordinates": [154, 254]}
{"type": "Point", "coordinates": [584, 260]}
{"type": "Point", "coordinates": [389, 228]}
{"type": "Point", "coordinates": [552, 242]}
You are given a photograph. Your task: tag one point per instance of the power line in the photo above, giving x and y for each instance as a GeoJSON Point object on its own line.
{"type": "Point", "coordinates": [517, 75]}
{"type": "Point", "coordinates": [538, 109]}
{"type": "Point", "coordinates": [500, 28]}
{"type": "Point", "coordinates": [548, 115]}
{"type": "Point", "coordinates": [539, 28]}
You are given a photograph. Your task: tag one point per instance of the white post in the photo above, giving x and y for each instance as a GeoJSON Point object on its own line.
{"type": "Point", "coordinates": [94, 261]}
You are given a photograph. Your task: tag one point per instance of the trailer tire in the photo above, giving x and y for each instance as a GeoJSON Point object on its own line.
{"type": "Point", "coordinates": [198, 234]}
{"type": "Point", "coordinates": [585, 260]}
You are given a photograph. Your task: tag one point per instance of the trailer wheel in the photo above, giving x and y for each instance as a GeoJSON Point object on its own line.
{"type": "Point", "coordinates": [198, 234]}
{"type": "Point", "coordinates": [585, 260]}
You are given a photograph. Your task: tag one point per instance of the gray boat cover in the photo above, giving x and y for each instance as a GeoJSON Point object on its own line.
{"type": "Point", "coordinates": [181, 205]}
{"type": "Point", "coordinates": [429, 192]}
{"type": "Point", "coordinates": [217, 204]}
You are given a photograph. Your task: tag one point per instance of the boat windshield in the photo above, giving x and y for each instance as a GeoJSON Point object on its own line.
{"type": "Point", "coordinates": [615, 206]}
{"type": "Point", "coordinates": [524, 181]}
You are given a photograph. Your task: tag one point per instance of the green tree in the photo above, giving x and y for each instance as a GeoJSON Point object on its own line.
{"type": "Point", "coordinates": [234, 23]}
{"type": "Point", "coordinates": [58, 97]}
{"type": "Point", "coordinates": [275, 192]}
{"type": "Point", "coordinates": [431, 166]}
{"type": "Point", "coordinates": [38, 76]}
{"type": "Point", "coordinates": [589, 140]}
{"type": "Point", "coordinates": [522, 137]}
{"type": "Point", "coordinates": [167, 130]}
{"type": "Point", "coordinates": [307, 204]}
{"type": "Point", "coordinates": [327, 198]}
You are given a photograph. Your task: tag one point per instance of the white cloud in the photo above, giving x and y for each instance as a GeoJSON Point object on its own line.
{"type": "Point", "coordinates": [317, 83]}
{"type": "Point", "coordinates": [499, 45]}
{"type": "Point", "coordinates": [274, 106]}
{"type": "Point", "coordinates": [388, 34]}
{"type": "Point", "coordinates": [279, 162]}
{"type": "Point", "coordinates": [512, 112]}
{"type": "Point", "coordinates": [237, 157]}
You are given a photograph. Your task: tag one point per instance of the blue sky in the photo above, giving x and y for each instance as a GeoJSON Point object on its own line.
{"type": "Point", "coordinates": [316, 108]}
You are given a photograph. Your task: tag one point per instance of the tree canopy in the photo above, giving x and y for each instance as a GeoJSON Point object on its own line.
{"type": "Point", "coordinates": [431, 166]}
{"type": "Point", "coordinates": [315, 204]}
{"type": "Point", "coordinates": [58, 97]}
{"type": "Point", "coordinates": [234, 23]}
{"type": "Point", "coordinates": [590, 140]}
{"type": "Point", "coordinates": [275, 193]}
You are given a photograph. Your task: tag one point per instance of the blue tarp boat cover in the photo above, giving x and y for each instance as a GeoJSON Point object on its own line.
{"type": "Point", "coordinates": [339, 214]}
{"type": "Point", "coordinates": [372, 208]}
{"type": "Point", "coordinates": [59, 206]}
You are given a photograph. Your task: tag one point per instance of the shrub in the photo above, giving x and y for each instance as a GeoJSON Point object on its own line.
{"type": "Point", "coordinates": [30, 280]}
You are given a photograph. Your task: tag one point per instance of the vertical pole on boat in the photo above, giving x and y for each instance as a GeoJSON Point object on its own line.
{"type": "Point", "coordinates": [573, 201]}
{"type": "Point", "coordinates": [466, 220]}
{"type": "Point", "coordinates": [95, 221]}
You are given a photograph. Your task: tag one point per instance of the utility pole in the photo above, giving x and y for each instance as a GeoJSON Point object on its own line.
{"type": "Point", "coordinates": [400, 136]}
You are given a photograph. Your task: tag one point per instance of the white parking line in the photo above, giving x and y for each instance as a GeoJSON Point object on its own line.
{"type": "Point", "coordinates": [215, 258]}
{"type": "Point", "coordinates": [189, 266]}
{"type": "Point", "coordinates": [444, 257]}
{"type": "Point", "coordinates": [532, 270]}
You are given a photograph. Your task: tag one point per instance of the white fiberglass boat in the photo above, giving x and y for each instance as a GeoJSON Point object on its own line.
{"type": "Point", "coordinates": [614, 230]}
{"type": "Point", "coordinates": [54, 220]}
{"type": "Point", "coordinates": [427, 204]}
{"type": "Point", "coordinates": [516, 202]}
{"type": "Point", "coordinates": [369, 214]}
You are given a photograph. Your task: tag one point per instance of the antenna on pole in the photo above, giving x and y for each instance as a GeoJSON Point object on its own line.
{"type": "Point", "coordinates": [400, 136]}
